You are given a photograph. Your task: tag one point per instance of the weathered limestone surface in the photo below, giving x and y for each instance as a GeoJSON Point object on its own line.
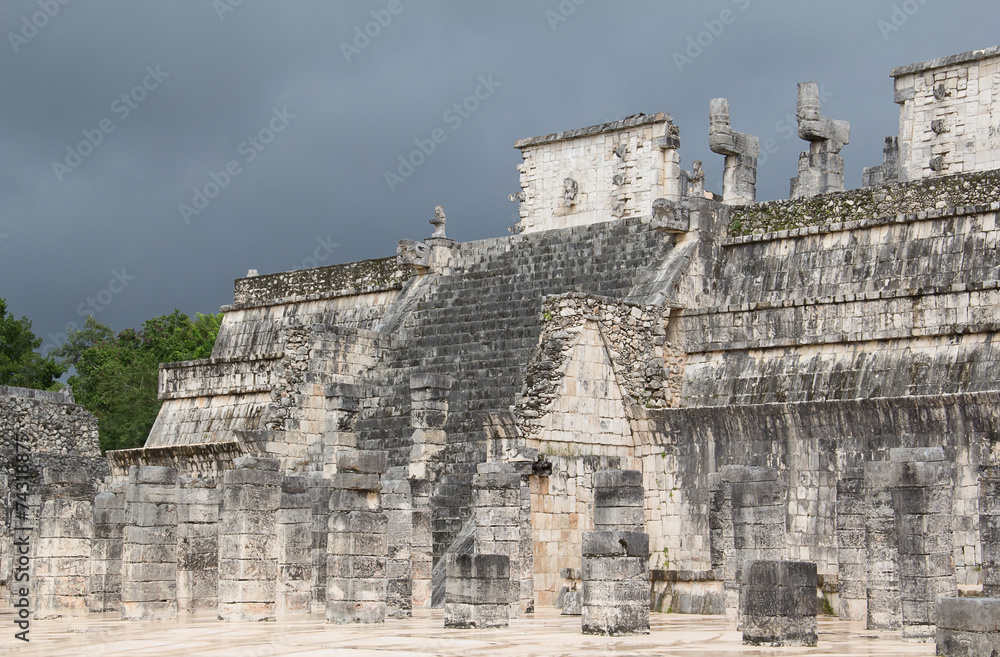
{"type": "Point", "coordinates": [397, 500]}
{"type": "Point", "coordinates": [248, 551]}
{"type": "Point", "coordinates": [500, 529]}
{"type": "Point", "coordinates": [778, 603]}
{"type": "Point", "coordinates": [65, 538]}
{"type": "Point", "coordinates": [739, 180]}
{"type": "Point", "coordinates": [358, 544]}
{"type": "Point", "coordinates": [477, 593]}
{"type": "Point", "coordinates": [821, 169]}
{"type": "Point", "coordinates": [881, 550]}
{"type": "Point", "coordinates": [922, 499]}
{"type": "Point", "coordinates": [989, 529]}
{"type": "Point", "coordinates": [294, 537]}
{"type": "Point", "coordinates": [149, 554]}
{"type": "Point", "coordinates": [198, 501]}
{"type": "Point", "coordinates": [106, 550]}
{"type": "Point", "coordinates": [967, 627]}
{"type": "Point", "coordinates": [852, 559]}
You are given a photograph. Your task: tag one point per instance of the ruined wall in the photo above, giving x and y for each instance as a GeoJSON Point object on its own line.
{"type": "Point", "coordinates": [880, 307]}
{"type": "Point", "coordinates": [948, 122]}
{"type": "Point", "coordinates": [604, 172]}
{"type": "Point", "coordinates": [814, 445]}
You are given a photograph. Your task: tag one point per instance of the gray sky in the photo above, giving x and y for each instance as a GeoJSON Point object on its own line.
{"type": "Point", "coordinates": [171, 92]}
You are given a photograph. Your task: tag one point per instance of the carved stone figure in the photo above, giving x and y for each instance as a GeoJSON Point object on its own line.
{"type": "Point", "coordinates": [570, 189]}
{"type": "Point", "coordinates": [821, 169]}
{"type": "Point", "coordinates": [413, 254]}
{"type": "Point", "coordinates": [438, 222]}
{"type": "Point", "coordinates": [739, 181]}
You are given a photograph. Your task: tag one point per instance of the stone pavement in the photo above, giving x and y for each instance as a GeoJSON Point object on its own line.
{"type": "Point", "coordinates": [545, 633]}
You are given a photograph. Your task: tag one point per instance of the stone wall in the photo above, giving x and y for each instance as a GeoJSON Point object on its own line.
{"type": "Point", "coordinates": [946, 119]}
{"type": "Point", "coordinates": [604, 172]}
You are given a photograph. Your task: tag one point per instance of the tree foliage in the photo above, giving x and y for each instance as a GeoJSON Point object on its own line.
{"type": "Point", "coordinates": [116, 377]}
{"type": "Point", "coordinates": [20, 364]}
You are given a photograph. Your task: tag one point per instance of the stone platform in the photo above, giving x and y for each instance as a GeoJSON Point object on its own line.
{"type": "Point", "coordinates": [542, 634]}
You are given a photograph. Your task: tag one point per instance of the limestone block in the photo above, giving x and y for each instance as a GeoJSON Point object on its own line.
{"type": "Point", "coordinates": [778, 603]}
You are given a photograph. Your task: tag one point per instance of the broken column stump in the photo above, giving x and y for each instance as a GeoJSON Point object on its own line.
{"type": "Point", "coordinates": [778, 603]}
{"type": "Point", "coordinates": [615, 591]}
{"type": "Point", "coordinates": [294, 536]}
{"type": "Point", "coordinates": [358, 543]}
{"type": "Point", "coordinates": [248, 555]}
{"type": "Point", "coordinates": [968, 627]}
{"type": "Point", "coordinates": [881, 550]}
{"type": "Point", "coordinates": [477, 591]}
{"type": "Point", "coordinates": [149, 553]}
{"type": "Point", "coordinates": [922, 499]}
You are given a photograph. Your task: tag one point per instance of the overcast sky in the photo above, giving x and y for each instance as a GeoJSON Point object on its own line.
{"type": "Point", "coordinates": [290, 113]}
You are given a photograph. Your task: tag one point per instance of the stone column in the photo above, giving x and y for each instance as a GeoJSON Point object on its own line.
{"type": "Point", "coordinates": [294, 538]}
{"type": "Point", "coordinates": [852, 561]}
{"type": "Point", "coordinates": [968, 627]}
{"type": "Point", "coordinates": [398, 505]}
{"type": "Point", "coordinates": [319, 499]}
{"type": "Point", "coordinates": [778, 603]}
{"type": "Point", "coordinates": [65, 536]}
{"type": "Point", "coordinates": [497, 516]}
{"type": "Point", "coordinates": [248, 554]}
{"type": "Point", "coordinates": [881, 550]}
{"type": "Point", "coordinates": [422, 543]}
{"type": "Point", "coordinates": [922, 499]}
{"type": "Point", "coordinates": [615, 591]}
{"type": "Point", "coordinates": [149, 554]}
{"type": "Point", "coordinates": [342, 407]}
{"type": "Point", "coordinates": [723, 550]}
{"type": "Point", "coordinates": [109, 536]}
{"type": "Point", "coordinates": [198, 544]}
{"type": "Point", "coordinates": [989, 530]}
{"type": "Point", "coordinates": [477, 592]}
{"type": "Point", "coordinates": [758, 508]}
{"type": "Point", "coordinates": [358, 543]}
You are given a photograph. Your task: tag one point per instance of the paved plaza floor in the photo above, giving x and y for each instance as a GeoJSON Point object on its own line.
{"type": "Point", "coordinates": [544, 633]}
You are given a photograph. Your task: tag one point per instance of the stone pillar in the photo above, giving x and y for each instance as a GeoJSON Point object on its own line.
{"type": "Point", "coordinates": [295, 541]}
{"type": "Point", "coordinates": [989, 530]}
{"type": "Point", "coordinates": [248, 555]}
{"type": "Point", "coordinates": [723, 551]}
{"type": "Point", "coordinates": [65, 536]}
{"type": "Point", "coordinates": [922, 499]}
{"type": "Point", "coordinates": [428, 414]}
{"type": "Point", "coordinates": [618, 501]}
{"type": "Point", "coordinates": [198, 544]}
{"type": "Point", "coordinates": [615, 591]}
{"type": "Point", "coordinates": [778, 603]}
{"type": "Point", "coordinates": [477, 592]}
{"type": "Point", "coordinates": [342, 407]}
{"type": "Point", "coordinates": [739, 180]}
{"type": "Point", "coordinates": [852, 560]}
{"type": "Point", "coordinates": [358, 543]}
{"type": "Point", "coordinates": [422, 543]}
{"type": "Point", "coordinates": [498, 521]}
{"type": "Point", "coordinates": [398, 505]}
{"type": "Point", "coordinates": [319, 499]}
{"type": "Point", "coordinates": [821, 169]}
{"type": "Point", "coordinates": [106, 555]}
{"type": "Point", "coordinates": [149, 554]}
{"type": "Point", "coordinates": [758, 508]}
{"type": "Point", "coordinates": [968, 627]}
{"type": "Point", "coordinates": [881, 550]}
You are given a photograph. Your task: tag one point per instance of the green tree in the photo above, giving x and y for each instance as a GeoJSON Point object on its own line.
{"type": "Point", "coordinates": [116, 379]}
{"type": "Point", "coordinates": [93, 333]}
{"type": "Point", "coordinates": [20, 364]}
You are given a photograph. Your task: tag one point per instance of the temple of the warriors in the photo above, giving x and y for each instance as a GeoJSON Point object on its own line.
{"type": "Point", "coordinates": [646, 398]}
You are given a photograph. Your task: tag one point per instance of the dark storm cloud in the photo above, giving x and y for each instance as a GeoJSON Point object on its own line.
{"type": "Point", "coordinates": [114, 114]}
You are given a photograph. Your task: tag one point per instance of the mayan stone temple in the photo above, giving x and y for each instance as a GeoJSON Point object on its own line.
{"type": "Point", "coordinates": [647, 398]}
